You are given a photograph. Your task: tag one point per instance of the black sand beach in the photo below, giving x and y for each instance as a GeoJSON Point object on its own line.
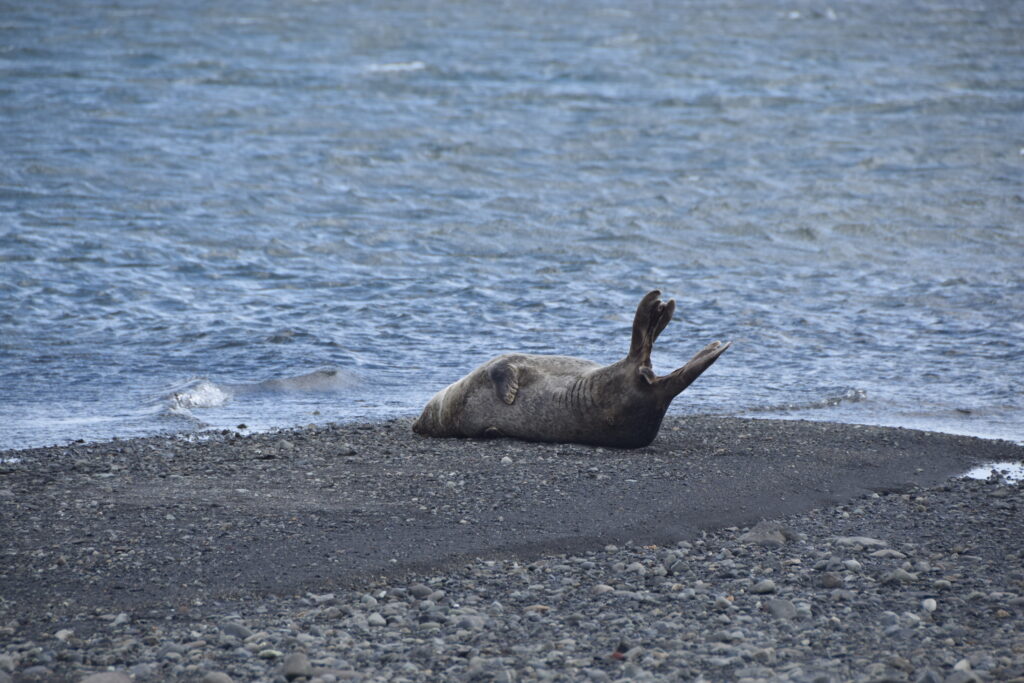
{"type": "Point", "coordinates": [366, 552]}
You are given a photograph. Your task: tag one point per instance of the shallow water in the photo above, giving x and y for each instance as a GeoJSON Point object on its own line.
{"type": "Point", "coordinates": [197, 200]}
{"type": "Point", "coordinates": [1010, 472]}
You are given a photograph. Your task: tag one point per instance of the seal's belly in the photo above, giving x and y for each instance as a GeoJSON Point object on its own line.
{"type": "Point", "coordinates": [550, 398]}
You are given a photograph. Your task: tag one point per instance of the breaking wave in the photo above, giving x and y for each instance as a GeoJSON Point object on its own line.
{"type": "Point", "coordinates": [196, 393]}
{"type": "Point", "coordinates": [201, 393]}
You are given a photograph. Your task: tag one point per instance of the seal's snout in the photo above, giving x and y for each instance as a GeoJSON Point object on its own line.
{"type": "Point", "coordinates": [426, 423]}
{"type": "Point", "coordinates": [417, 426]}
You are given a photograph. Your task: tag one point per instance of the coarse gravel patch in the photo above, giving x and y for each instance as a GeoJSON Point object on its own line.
{"type": "Point", "coordinates": [789, 551]}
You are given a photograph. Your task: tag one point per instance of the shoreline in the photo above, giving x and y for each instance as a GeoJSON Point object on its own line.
{"type": "Point", "coordinates": [143, 541]}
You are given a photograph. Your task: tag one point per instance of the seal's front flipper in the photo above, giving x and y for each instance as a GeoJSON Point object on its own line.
{"type": "Point", "coordinates": [505, 376]}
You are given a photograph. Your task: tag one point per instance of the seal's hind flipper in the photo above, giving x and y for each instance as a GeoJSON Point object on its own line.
{"type": "Point", "coordinates": [678, 380]}
{"type": "Point", "coordinates": [652, 315]}
{"type": "Point", "coordinates": [505, 376]}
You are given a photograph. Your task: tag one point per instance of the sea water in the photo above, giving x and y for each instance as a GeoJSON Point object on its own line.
{"type": "Point", "coordinates": [276, 213]}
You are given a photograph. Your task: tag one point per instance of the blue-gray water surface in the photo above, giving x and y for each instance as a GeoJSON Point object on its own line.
{"type": "Point", "coordinates": [276, 213]}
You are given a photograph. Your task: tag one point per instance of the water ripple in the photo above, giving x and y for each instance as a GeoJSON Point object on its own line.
{"type": "Point", "coordinates": [400, 192]}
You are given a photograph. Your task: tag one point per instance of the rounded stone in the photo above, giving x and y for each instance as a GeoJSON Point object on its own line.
{"type": "Point", "coordinates": [899, 575]}
{"type": "Point", "coordinates": [235, 629]}
{"type": "Point", "coordinates": [420, 591]}
{"type": "Point", "coordinates": [781, 609]}
{"type": "Point", "coordinates": [107, 677]}
{"type": "Point", "coordinates": [216, 677]}
{"type": "Point", "coordinates": [296, 665]}
{"type": "Point", "coordinates": [36, 673]}
{"type": "Point", "coordinates": [830, 580]}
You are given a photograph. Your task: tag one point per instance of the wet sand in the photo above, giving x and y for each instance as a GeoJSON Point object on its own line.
{"type": "Point", "coordinates": [163, 530]}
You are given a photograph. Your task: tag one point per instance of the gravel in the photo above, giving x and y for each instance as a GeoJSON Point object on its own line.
{"type": "Point", "coordinates": [209, 561]}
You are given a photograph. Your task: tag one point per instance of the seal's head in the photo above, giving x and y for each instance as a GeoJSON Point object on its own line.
{"type": "Point", "coordinates": [434, 420]}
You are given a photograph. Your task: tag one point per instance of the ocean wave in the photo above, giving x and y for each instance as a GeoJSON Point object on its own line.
{"type": "Point", "coordinates": [322, 380]}
{"type": "Point", "coordinates": [202, 393]}
{"type": "Point", "coordinates": [197, 393]}
{"type": "Point", "coordinates": [851, 395]}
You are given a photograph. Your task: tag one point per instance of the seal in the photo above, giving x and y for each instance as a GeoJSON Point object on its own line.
{"type": "Point", "coordinates": [569, 400]}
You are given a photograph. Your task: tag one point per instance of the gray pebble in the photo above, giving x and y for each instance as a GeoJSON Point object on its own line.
{"type": "Point", "coordinates": [863, 541]}
{"type": "Point", "coordinates": [763, 586]}
{"type": "Point", "coordinates": [781, 609]}
{"type": "Point", "coordinates": [472, 622]}
{"type": "Point", "coordinates": [765, 533]}
{"type": "Point", "coordinates": [929, 676]}
{"type": "Point", "coordinates": [899, 575]}
{"type": "Point", "coordinates": [107, 677]}
{"type": "Point", "coordinates": [963, 677]}
{"type": "Point", "coordinates": [830, 580]}
{"type": "Point", "coordinates": [637, 568]}
{"type": "Point", "coordinates": [295, 665]}
{"type": "Point", "coordinates": [216, 677]}
{"type": "Point", "coordinates": [235, 629]}
{"type": "Point", "coordinates": [420, 591]}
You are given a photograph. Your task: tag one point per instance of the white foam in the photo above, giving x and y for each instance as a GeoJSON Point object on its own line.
{"type": "Point", "coordinates": [1010, 471]}
{"type": "Point", "coordinates": [199, 394]}
{"type": "Point", "coordinates": [393, 67]}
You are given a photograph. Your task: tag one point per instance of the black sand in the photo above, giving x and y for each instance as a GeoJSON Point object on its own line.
{"type": "Point", "coordinates": [169, 529]}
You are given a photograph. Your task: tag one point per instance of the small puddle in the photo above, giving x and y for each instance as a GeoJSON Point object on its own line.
{"type": "Point", "coordinates": [1011, 472]}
